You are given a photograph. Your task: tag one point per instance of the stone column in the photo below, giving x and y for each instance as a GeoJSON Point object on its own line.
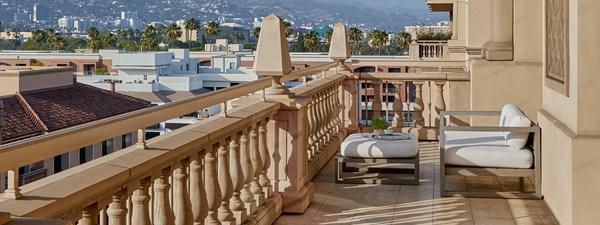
{"type": "Point", "coordinates": [419, 120]}
{"type": "Point", "coordinates": [501, 47]}
{"type": "Point", "coordinates": [182, 206]}
{"type": "Point", "coordinates": [213, 192]}
{"type": "Point", "coordinates": [237, 177]}
{"type": "Point", "coordinates": [440, 104]}
{"type": "Point", "coordinates": [225, 185]}
{"type": "Point", "coordinates": [163, 215]}
{"type": "Point", "coordinates": [248, 171]}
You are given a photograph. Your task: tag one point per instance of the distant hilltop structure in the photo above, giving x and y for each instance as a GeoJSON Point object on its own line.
{"type": "Point", "coordinates": [440, 27]}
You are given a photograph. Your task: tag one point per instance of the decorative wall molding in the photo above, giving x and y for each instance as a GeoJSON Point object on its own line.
{"type": "Point", "coordinates": [557, 46]}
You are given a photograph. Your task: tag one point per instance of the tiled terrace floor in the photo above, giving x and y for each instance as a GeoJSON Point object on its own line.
{"type": "Point", "coordinates": [406, 204]}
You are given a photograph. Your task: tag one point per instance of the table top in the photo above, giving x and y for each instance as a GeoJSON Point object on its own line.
{"type": "Point", "coordinates": [388, 137]}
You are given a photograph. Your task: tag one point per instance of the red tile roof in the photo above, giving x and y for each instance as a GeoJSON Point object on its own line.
{"type": "Point", "coordinates": [65, 107]}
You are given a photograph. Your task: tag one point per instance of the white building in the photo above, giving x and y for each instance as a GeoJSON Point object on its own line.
{"type": "Point", "coordinates": [162, 77]}
{"type": "Point", "coordinates": [440, 27]}
{"type": "Point", "coordinates": [65, 23]}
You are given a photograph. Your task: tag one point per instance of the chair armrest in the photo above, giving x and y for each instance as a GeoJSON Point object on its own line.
{"type": "Point", "coordinates": [532, 129]}
{"type": "Point", "coordinates": [470, 113]}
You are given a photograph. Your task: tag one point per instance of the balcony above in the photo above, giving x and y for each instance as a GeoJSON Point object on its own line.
{"type": "Point", "coordinates": [440, 5]}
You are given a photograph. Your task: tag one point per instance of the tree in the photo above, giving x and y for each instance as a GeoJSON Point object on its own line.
{"type": "Point", "coordinates": [311, 40]}
{"type": "Point", "coordinates": [212, 29]}
{"type": "Point", "coordinates": [38, 35]}
{"type": "Point", "coordinates": [149, 38]}
{"type": "Point", "coordinates": [256, 32]}
{"type": "Point", "coordinates": [56, 42]}
{"type": "Point", "coordinates": [288, 29]}
{"type": "Point", "coordinates": [190, 25]}
{"type": "Point", "coordinates": [109, 40]}
{"type": "Point", "coordinates": [299, 45]}
{"type": "Point", "coordinates": [94, 41]}
{"type": "Point", "coordinates": [355, 36]}
{"type": "Point", "coordinates": [403, 40]}
{"type": "Point", "coordinates": [173, 32]}
{"type": "Point", "coordinates": [15, 33]}
{"type": "Point", "coordinates": [378, 38]}
{"type": "Point", "coordinates": [328, 36]}
{"type": "Point", "coordinates": [1, 26]}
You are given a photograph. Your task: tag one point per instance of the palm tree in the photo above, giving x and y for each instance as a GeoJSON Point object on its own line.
{"type": "Point", "coordinates": [15, 33]}
{"type": "Point", "coordinates": [173, 32]}
{"type": "Point", "coordinates": [110, 39]}
{"type": "Point", "coordinates": [190, 25]}
{"type": "Point", "coordinates": [328, 36]}
{"type": "Point", "coordinates": [149, 37]}
{"type": "Point", "coordinates": [56, 42]}
{"type": "Point", "coordinates": [311, 40]}
{"type": "Point", "coordinates": [256, 32]}
{"type": "Point", "coordinates": [94, 41]}
{"type": "Point", "coordinates": [377, 39]}
{"type": "Point", "coordinates": [212, 29]}
{"type": "Point", "coordinates": [38, 35]}
{"type": "Point", "coordinates": [355, 36]}
{"type": "Point", "coordinates": [403, 40]}
{"type": "Point", "coordinates": [288, 29]}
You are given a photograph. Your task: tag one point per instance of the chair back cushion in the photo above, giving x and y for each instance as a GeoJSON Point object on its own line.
{"type": "Point", "coordinates": [512, 116]}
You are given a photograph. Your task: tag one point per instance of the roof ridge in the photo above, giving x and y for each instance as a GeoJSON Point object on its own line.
{"type": "Point", "coordinates": [31, 113]}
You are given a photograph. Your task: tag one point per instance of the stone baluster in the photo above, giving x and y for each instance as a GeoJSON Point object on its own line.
{"type": "Point", "coordinates": [323, 119]}
{"type": "Point", "coordinates": [89, 215]}
{"type": "Point", "coordinates": [265, 157]}
{"type": "Point", "coordinates": [141, 209]}
{"type": "Point", "coordinates": [440, 104]}
{"type": "Point", "coordinates": [182, 205]}
{"type": "Point", "coordinates": [398, 120]}
{"type": "Point", "coordinates": [338, 111]}
{"type": "Point", "coordinates": [163, 215]}
{"type": "Point", "coordinates": [248, 171]}
{"type": "Point", "coordinates": [376, 99]}
{"type": "Point", "coordinates": [330, 116]}
{"type": "Point", "coordinates": [310, 142]}
{"type": "Point", "coordinates": [257, 166]}
{"type": "Point", "coordinates": [213, 192]}
{"type": "Point", "coordinates": [197, 192]}
{"type": "Point", "coordinates": [13, 191]}
{"type": "Point", "coordinates": [117, 210]}
{"type": "Point", "coordinates": [418, 119]}
{"type": "Point", "coordinates": [225, 185]}
{"type": "Point", "coordinates": [102, 217]}
{"type": "Point", "coordinates": [237, 177]}
{"type": "Point", "coordinates": [320, 131]}
{"type": "Point", "coordinates": [315, 127]}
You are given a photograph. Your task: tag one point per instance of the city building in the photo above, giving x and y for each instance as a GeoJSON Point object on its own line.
{"type": "Point", "coordinates": [185, 34]}
{"type": "Point", "coordinates": [41, 12]}
{"type": "Point", "coordinates": [440, 27]}
{"type": "Point", "coordinates": [234, 32]}
{"type": "Point", "coordinates": [65, 23]}
{"type": "Point", "coordinates": [48, 100]}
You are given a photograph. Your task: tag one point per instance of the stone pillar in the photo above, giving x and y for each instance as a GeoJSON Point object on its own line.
{"type": "Point", "coordinates": [350, 104]}
{"type": "Point", "coordinates": [163, 215]}
{"type": "Point", "coordinates": [140, 200]}
{"type": "Point", "coordinates": [501, 47]}
{"type": "Point", "coordinates": [440, 104]}
{"type": "Point", "coordinates": [419, 120]}
{"type": "Point", "coordinates": [289, 156]}
{"type": "Point", "coordinates": [248, 171]}
{"type": "Point", "coordinates": [182, 205]}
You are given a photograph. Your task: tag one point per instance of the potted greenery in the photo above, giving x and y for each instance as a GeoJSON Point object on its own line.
{"type": "Point", "coordinates": [379, 125]}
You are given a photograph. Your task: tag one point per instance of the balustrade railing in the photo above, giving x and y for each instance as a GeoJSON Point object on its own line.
{"type": "Point", "coordinates": [427, 50]}
{"type": "Point", "coordinates": [409, 100]}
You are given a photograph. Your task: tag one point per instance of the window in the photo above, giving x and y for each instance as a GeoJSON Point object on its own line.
{"type": "Point", "coordinates": [61, 65]}
{"type": "Point", "coordinates": [187, 67]}
{"type": "Point", "coordinates": [61, 162]}
{"type": "Point", "coordinates": [150, 135]}
{"type": "Point", "coordinates": [126, 140]}
{"type": "Point", "coordinates": [107, 147]}
{"type": "Point", "coordinates": [86, 154]}
{"type": "Point", "coordinates": [231, 65]}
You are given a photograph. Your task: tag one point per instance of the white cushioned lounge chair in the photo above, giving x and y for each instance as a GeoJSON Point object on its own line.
{"type": "Point", "coordinates": [512, 149]}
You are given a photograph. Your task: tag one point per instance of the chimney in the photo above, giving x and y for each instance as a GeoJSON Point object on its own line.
{"type": "Point", "coordinates": [112, 86]}
{"type": "Point", "coordinates": [2, 119]}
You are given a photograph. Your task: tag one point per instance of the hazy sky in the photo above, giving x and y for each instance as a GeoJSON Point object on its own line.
{"type": "Point", "coordinates": [409, 4]}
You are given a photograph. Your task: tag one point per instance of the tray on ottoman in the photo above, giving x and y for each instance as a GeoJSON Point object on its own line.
{"type": "Point", "coordinates": [370, 159]}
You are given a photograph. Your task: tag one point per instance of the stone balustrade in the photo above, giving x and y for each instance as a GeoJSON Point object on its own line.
{"type": "Point", "coordinates": [411, 100]}
{"type": "Point", "coordinates": [429, 50]}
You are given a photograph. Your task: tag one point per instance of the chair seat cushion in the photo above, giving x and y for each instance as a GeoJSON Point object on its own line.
{"type": "Point", "coordinates": [361, 147]}
{"type": "Point", "coordinates": [484, 149]}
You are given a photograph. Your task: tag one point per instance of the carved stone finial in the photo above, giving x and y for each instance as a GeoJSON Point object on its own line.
{"type": "Point", "coordinates": [272, 53]}
{"type": "Point", "coordinates": [339, 50]}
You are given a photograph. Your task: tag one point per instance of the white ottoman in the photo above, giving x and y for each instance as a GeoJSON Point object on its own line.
{"type": "Point", "coordinates": [366, 160]}
{"type": "Point", "coordinates": [358, 146]}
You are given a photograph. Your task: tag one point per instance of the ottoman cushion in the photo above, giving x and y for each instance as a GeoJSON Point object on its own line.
{"type": "Point", "coordinates": [361, 147]}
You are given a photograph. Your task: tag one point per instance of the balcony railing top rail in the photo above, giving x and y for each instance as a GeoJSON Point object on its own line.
{"type": "Point", "coordinates": [28, 151]}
